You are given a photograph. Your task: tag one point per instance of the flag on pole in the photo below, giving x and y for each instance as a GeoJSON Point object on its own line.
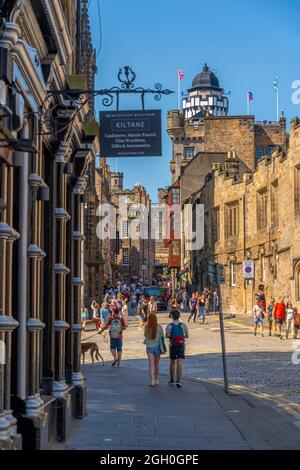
{"type": "Point", "coordinates": [180, 74]}
{"type": "Point", "coordinates": [250, 96]}
{"type": "Point", "coordinates": [275, 84]}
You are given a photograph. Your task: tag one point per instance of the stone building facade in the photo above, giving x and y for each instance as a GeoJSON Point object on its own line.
{"type": "Point", "coordinates": [42, 173]}
{"type": "Point", "coordinates": [203, 141]}
{"type": "Point", "coordinates": [161, 250]}
{"type": "Point", "coordinates": [254, 215]}
{"type": "Point", "coordinates": [134, 256]}
{"type": "Point", "coordinates": [107, 246]}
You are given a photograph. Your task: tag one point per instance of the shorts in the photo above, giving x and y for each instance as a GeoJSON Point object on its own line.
{"type": "Point", "coordinates": [116, 344]}
{"type": "Point", "coordinates": [177, 352]}
{"type": "Point", "coordinates": [279, 321]}
{"type": "Point", "coordinates": [84, 316]}
{"type": "Point", "coordinates": [155, 351]}
{"type": "Point", "coordinates": [297, 327]}
{"type": "Point", "coordinates": [257, 321]}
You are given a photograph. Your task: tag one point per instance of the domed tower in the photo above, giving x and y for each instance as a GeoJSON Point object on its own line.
{"type": "Point", "coordinates": [205, 96]}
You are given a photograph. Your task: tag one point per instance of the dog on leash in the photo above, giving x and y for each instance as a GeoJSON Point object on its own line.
{"type": "Point", "coordinates": [94, 351]}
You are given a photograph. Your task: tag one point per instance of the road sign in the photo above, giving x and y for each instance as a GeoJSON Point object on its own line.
{"type": "Point", "coordinates": [248, 269]}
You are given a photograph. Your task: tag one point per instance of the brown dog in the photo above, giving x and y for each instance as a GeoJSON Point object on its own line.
{"type": "Point", "coordinates": [94, 350]}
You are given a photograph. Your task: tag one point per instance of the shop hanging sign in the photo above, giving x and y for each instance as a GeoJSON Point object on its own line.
{"type": "Point", "coordinates": [130, 133]}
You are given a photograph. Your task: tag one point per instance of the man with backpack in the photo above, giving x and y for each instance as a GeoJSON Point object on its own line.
{"type": "Point", "coordinates": [116, 326]}
{"type": "Point", "coordinates": [177, 332]}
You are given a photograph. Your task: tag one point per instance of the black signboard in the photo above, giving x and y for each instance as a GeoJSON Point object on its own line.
{"type": "Point", "coordinates": [130, 133]}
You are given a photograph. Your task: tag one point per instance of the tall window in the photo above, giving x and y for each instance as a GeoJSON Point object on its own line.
{"type": "Point", "coordinates": [160, 226]}
{"type": "Point", "coordinates": [274, 203]}
{"type": "Point", "coordinates": [297, 188]}
{"type": "Point", "coordinates": [262, 268]}
{"type": "Point", "coordinates": [262, 209]}
{"type": "Point", "coordinates": [232, 274]}
{"type": "Point", "coordinates": [232, 219]}
{"type": "Point", "coordinates": [175, 195]}
{"type": "Point", "coordinates": [125, 232]}
{"type": "Point", "coordinates": [215, 228]}
{"type": "Point", "coordinates": [189, 153]}
{"type": "Point", "coordinates": [125, 257]}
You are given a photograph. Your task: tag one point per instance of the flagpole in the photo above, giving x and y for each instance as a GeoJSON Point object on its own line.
{"type": "Point", "coordinates": [277, 103]}
{"type": "Point", "coordinates": [248, 104]}
{"type": "Point", "coordinates": [178, 79]}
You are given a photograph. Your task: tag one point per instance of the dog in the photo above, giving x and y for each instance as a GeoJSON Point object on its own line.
{"type": "Point", "coordinates": [94, 350]}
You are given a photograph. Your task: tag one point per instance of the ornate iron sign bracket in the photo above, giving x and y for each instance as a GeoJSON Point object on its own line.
{"type": "Point", "coordinates": [126, 76]}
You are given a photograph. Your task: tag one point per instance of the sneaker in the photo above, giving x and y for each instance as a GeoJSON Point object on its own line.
{"type": "Point", "coordinates": [178, 383]}
{"type": "Point", "coordinates": [151, 384]}
{"type": "Point", "coordinates": [156, 382]}
{"type": "Point", "coordinates": [171, 382]}
{"type": "Point", "coordinates": [114, 362]}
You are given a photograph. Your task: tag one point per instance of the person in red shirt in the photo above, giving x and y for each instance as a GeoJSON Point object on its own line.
{"type": "Point", "coordinates": [279, 315]}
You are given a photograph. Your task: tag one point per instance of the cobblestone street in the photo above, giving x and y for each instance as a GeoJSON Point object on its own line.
{"type": "Point", "coordinates": [128, 415]}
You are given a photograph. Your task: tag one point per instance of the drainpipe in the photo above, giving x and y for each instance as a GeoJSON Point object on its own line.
{"type": "Point", "coordinates": [21, 159]}
{"type": "Point", "coordinates": [244, 249]}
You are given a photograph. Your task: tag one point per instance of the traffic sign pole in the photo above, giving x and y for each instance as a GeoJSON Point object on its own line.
{"type": "Point", "coordinates": [222, 331]}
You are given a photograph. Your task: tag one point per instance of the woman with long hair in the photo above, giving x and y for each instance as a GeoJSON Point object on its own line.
{"type": "Point", "coordinates": [153, 333]}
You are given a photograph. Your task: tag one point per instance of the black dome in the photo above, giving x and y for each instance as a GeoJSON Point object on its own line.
{"type": "Point", "coordinates": [205, 79]}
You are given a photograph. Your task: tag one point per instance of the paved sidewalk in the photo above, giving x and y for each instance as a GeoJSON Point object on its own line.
{"type": "Point", "coordinates": [125, 413]}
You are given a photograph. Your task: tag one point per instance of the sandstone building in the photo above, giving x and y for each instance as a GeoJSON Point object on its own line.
{"type": "Point", "coordinates": [43, 167]}
{"type": "Point", "coordinates": [209, 149]}
{"type": "Point", "coordinates": [134, 258]}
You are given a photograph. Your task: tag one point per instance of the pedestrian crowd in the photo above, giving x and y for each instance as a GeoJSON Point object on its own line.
{"type": "Point", "coordinates": [277, 314]}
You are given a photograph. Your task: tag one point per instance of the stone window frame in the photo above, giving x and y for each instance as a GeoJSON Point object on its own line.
{"type": "Point", "coordinates": [187, 150]}
{"type": "Point", "coordinates": [215, 224]}
{"type": "Point", "coordinates": [297, 189]}
{"type": "Point", "coordinates": [274, 203]}
{"type": "Point", "coordinates": [233, 273]}
{"type": "Point", "coordinates": [125, 257]}
{"type": "Point", "coordinates": [232, 219]}
{"type": "Point", "coordinates": [262, 199]}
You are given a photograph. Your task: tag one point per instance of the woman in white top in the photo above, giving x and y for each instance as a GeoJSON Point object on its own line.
{"type": "Point", "coordinates": [96, 314]}
{"type": "Point", "coordinates": [124, 311]}
{"type": "Point", "coordinates": [289, 318]}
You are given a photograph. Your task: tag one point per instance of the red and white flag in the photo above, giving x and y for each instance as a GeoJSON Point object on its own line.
{"type": "Point", "coordinates": [180, 74]}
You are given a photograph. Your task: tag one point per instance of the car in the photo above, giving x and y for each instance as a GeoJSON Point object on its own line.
{"type": "Point", "coordinates": [160, 296]}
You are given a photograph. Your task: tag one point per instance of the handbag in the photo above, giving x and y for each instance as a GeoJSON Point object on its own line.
{"type": "Point", "coordinates": [162, 345]}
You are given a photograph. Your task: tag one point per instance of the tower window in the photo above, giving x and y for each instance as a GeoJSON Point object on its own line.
{"type": "Point", "coordinates": [189, 153]}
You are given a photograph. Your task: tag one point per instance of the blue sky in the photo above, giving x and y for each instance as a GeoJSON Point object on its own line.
{"type": "Point", "coordinates": [246, 45]}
